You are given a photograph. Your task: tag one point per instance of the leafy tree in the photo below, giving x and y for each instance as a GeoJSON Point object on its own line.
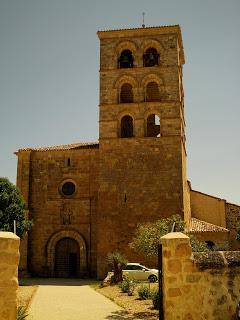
{"type": "Point", "coordinates": [117, 262]}
{"type": "Point", "coordinates": [147, 236]}
{"type": "Point", "coordinates": [12, 208]}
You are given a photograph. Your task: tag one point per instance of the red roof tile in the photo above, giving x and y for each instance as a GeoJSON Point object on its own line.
{"type": "Point", "coordinates": [136, 28]}
{"type": "Point", "coordinates": [73, 146]}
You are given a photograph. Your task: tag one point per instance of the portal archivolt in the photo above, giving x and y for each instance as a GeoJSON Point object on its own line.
{"type": "Point", "coordinates": [67, 254]}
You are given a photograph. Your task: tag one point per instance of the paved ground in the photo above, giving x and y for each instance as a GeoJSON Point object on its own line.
{"type": "Point", "coordinates": [59, 299]}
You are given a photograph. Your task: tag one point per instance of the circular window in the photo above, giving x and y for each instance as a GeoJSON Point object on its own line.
{"type": "Point", "coordinates": [68, 188]}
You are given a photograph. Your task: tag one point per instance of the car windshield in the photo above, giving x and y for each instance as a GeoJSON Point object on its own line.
{"type": "Point", "coordinates": [135, 267]}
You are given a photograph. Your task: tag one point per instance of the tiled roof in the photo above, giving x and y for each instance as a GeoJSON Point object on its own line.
{"type": "Point", "coordinates": [203, 226]}
{"type": "Point", "coordinates": [80, 145]}
{"type": "Point", "coordinates": [151, 27]}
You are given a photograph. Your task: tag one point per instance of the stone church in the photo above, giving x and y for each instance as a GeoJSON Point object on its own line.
{"type": "Point", "coordinates": [86, 199]}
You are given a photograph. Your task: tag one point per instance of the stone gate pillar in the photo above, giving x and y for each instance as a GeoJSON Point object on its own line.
{"type": "Point", "coordinates": [9, 259]}
{"type": "Point", "coordinates": [177, 262]}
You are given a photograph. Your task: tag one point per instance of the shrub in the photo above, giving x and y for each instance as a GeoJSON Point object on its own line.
{"type": "Point", "coordinates": [124, 285]}
{"type": "Point", "coordinates": [156, 299]}
{"type": "Point", "coordinates": [132, 286]}
{"type": "Point", "coordinates": [144, 292]}
{"type": "Point", "coordinates": [197, 245]}
{"type": "Point", "coordinates": [127, 286]}
{"type": "Point", "coordinates": [22, 313]}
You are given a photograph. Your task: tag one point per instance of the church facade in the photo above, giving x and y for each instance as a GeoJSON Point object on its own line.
{"type": "Point", "coordinates": [86, 199]}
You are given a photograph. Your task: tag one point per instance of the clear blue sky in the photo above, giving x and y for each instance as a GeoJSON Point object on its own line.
{"type": "Point", "coordinates": [49, 62]}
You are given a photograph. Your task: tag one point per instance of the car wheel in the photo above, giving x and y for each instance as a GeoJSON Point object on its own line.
{"type": "Point", "coordinates": [152, 278]}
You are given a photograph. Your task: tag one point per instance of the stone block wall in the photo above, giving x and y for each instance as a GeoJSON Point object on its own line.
{"type": "Point", "coordinates": [140, 180]}
{"type": "Point", "coordinates": [199, 286]}
{"type": "Point", "coordinates": [48, 171]}
{"type": "Point", "coordinates": [9, 258]}
{"type": "Point", "coordinates": [232, 220]}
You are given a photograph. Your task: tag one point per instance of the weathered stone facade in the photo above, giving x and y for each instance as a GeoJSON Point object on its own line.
{"type": "Point", "coordinates": [9, 258]}
{"type": "Point", "coordinates": [140, 178]}
{"type": "Point", "coordinates": [56, 216]}
{"type": "Point", "coordinates": [200, 286]}
{"type": "Point", "coordinates": [93, 195]}
{"type": "Point", "coordinates": [232, 220]}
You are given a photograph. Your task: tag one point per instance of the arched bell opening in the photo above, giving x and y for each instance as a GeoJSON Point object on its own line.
{"type": "Point", "coordinates": [151, 58]}
{"type": "Point", "coordinates": [126, 59]}
{"type": "Point", "coordinates": [152, 92]}
{"type": "Point", "coordinates": [153, 126]}
{"type": "Point", "coordinates": [126, 127]}
{"type": "Point", "coordinates": [126, 93]}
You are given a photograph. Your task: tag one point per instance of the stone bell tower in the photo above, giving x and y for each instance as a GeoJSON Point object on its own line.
{"type": "Point", "coordinates": [142, 174]}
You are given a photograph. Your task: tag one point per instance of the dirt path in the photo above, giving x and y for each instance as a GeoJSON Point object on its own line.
{"type": "Point", "coordinates": [72, 300]}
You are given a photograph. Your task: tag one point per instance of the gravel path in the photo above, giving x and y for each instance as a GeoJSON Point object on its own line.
{"type": "Point", "coordinates": [71, 300]}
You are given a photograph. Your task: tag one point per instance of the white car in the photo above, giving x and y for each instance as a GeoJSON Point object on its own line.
{"type": "Point", "coordinates": [139, 272]}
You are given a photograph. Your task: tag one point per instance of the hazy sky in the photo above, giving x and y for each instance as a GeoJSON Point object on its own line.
{"type": "Point", "coordinates": [49, 82]}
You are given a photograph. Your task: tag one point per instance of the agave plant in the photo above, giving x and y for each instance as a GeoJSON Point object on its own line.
{"type": "Point", "coordinates": [22, 313]}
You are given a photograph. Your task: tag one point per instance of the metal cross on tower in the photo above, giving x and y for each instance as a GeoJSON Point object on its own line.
{"type": "Point", "coordinates": [143, 25]}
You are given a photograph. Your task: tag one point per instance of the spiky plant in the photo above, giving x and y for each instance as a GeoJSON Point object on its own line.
{"type": "Point", "coordinates": [22, 313]}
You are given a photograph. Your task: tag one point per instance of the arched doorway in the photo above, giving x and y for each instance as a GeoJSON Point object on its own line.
{"type": "Point", "coordinates": [67, 260]}
{"type": "Point", "coordinates": [71, 245]}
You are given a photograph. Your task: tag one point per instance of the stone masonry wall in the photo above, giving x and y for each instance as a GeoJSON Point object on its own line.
{"type": "Point", "coordinates": [199, 286]}
{"type": "Point", "coordinates": [232, 219]}
{"type": "Point", "coordinates": [139, 181]}
{"type": "Point", "coordinates": [9, 258]}
{"type": "Point", "coordinates": [48, 171]}
{"type": "Point", "coordinates": [141, 178]}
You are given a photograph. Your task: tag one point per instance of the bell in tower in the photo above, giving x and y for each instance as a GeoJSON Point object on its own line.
{"type": "Point", "coordinates": [126, 59]}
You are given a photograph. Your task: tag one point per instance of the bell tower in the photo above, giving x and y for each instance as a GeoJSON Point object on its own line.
{"type": "Point", "coordinates": [142, 174]}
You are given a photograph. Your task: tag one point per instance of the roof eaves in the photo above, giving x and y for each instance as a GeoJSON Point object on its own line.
{"type": "Point", "coordinates": [199, 226]}
{"type": "Point", "coordinates": [74, 146]}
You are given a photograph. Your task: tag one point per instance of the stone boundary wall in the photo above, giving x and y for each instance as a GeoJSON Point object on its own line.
{"type": "Point", "coordinates": [199, 286]}
{"type": "Point", "coordinates": [232, 220]}
{"type": "Point", "coordinates": [9, 259]}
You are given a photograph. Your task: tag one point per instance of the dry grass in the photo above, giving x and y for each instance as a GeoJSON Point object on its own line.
{"type": "Point", "coordinates": [25, 295]}
{"type": "Point", "coordinates": [136, 308]}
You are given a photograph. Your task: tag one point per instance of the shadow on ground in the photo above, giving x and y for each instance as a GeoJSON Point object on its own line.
{"type": "Point", "coordinates": [123, 315]}
{"type": "Point", "coordinates": [58, 282]}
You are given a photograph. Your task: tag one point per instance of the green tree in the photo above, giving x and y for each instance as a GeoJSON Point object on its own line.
{"type": "Point", "coordinates": [147, 235]}
{"type": "Point", "coordinates": [116, 262]}
{"type": "Point", "coordinates": [12, 208]}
